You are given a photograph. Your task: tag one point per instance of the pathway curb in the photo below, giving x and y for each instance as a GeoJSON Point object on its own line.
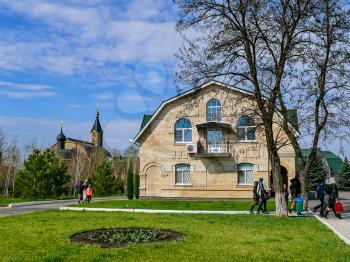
{"type": "Point", "coordinates": [35, 203]}
{"type": "Point", "coordinates": [335, 231]}
{"type": "Point", "coordinates": [153, 211]}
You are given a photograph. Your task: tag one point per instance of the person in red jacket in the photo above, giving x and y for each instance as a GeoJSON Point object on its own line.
{"type": "Point", "coordinates": [89, 193]}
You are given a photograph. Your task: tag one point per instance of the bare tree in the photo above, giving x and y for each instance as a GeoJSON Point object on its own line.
{"type": "Point", "coordinates": [77, 166]}
{"type": "Point", "coordinates": [320, 88]}
{"type": "Point", "coordinates": [3, 144]}
{"type": "Point", "coordinates": [12, 158]}
{"type": "Point", "coordinates": [247, 44]}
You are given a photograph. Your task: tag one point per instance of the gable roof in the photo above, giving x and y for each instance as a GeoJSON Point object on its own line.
{"type": "Point", "coordinates": [166, 102]}
{"type": "Point", "coordinates": [334, 162]}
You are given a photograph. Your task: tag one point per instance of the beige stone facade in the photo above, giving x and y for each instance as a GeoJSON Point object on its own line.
{"type": "Point", "coordinates": [211, 171]}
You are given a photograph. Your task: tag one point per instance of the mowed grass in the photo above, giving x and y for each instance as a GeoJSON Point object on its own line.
{"type": "Point", "coordinates": [45, 236]}
{"type": "Point", "coordinates": [178, 204]}
{"type": "Point", "coordinates": [4, 201]}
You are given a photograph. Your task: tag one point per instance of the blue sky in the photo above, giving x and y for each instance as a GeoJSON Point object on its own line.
{"type": "Point", "coordinates": [58, 59]}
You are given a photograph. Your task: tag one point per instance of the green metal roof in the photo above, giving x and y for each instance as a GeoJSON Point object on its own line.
{"type": "Point", "coordinates": [145, 120]}
{"type": "Point", "coordinates": [334, 162]}
{"type": "Point", "coordinates": [292, 117]}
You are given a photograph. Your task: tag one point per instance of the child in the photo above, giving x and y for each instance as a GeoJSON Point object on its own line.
{"type": "Point", "coordinates": [89, 193]}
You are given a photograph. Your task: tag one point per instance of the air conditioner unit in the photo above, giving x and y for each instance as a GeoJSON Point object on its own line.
{"type": "Point", "coordinates": [191, 148]}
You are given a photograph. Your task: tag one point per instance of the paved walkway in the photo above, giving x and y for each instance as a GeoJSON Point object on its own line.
{"type": "Point", "coordinates": [341, 227]}
{"type": "Point", "coordinates": [29, 207]}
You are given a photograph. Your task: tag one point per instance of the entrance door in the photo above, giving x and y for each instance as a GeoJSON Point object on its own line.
{"type": "Point", "coordinates": [214, 141]}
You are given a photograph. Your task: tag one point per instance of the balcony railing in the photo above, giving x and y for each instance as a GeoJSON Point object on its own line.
{"type": "Point", "coordinates": [215, 149]}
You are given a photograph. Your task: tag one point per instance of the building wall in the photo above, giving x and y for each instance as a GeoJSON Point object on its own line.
{"type": "Point", "coordinates": [210, 177]}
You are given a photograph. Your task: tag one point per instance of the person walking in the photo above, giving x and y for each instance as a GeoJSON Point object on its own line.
{"type": "Point", "coordinates": [333, 197]}
{"type": "Point", "coordinates": [286, 193]}
{"type": "Point", "coordinates": [261, 190]}
{"type": "Point", "coordinates": [255, 197]}
{"type": "Point", "coordinates": [89, 193]}
{"type": "Point", "coordinates": [85, 187]}
{"type": "Point", "coordinates": [320, 190]}
{"type": "Point", "coordinates": [295, 188]}
{"type": "Point", "coordinates": [81, 194]}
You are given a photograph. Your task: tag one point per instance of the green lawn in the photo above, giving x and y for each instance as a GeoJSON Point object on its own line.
{"type": "Point", "coordinates": [44, 236]}
{"type": "Point", "coordinates": [178, 204]}
{"type": "Point", "coordinates": [4, 201]}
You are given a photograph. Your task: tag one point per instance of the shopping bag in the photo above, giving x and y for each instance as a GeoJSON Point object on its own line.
{"type": "Point", "coordinates": [293, 205]}
{"type": "Point", "coordinates": [338, 206]}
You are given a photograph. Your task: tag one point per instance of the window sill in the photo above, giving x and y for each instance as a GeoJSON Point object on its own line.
{"type": "Point", "coordinates": [182, 143]}
{"type": "Point", "coordinates": [247, 141]}
{"type": "Point", "coordinates": [183, 185]}
{"type": "Point", "coordinates": [245, 185]}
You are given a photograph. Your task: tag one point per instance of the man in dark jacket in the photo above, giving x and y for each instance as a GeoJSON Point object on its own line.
{"type": "Point", "coordinates": [295, 188]}
{"type": "Point", "coordinates": [320, 195]}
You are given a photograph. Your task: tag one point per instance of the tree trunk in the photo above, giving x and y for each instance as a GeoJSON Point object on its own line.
{"type": "Point", "coordinates": [280, 201]}
{"type": "Point", "coordinates": [13, 183]}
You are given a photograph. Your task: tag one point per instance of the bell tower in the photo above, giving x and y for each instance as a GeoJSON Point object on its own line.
{"type": "Point", "coordinates": [96, 133]}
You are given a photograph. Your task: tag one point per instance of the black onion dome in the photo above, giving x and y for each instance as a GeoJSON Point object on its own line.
{"type": "Point", "coordinates": [61, 137]}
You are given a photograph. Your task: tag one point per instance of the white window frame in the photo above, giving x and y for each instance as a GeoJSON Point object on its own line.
{"type": "Point", "coordinates": [217, 109]}
{"type": "Point", "coordinates": [182, 173]}
{"type": "Point", "coordinates": [245, 130]}
{"type": "Point", "coordinates": [245, 173]}
{"type": "Point", "coordinates": [183, 130]}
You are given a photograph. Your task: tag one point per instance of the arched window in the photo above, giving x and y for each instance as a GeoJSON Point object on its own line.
{"type": "Point", "coordinates": [213, 110]}
{"type": "Point", "coordinates": [246, 129]}
{"type": "Point", "coordinates": [182, 174]}
{"type": "Point", "coordinates": [183, 131]}
{"type": "Point", "coordinates": [245, 173]}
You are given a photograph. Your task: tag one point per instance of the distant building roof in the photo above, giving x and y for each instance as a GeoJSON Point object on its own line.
{"type": "Point", "coordinates": [80, 141]}
{"type": "Point", "coordinates": [334, 162]}
{"type": "Point", "coordinates": [145, 120]}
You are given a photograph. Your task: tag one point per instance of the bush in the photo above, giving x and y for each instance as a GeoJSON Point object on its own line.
{"type": "Point", "coordinates": [130, 183]}
{"type": "Point", "coordinates": [137, 186]}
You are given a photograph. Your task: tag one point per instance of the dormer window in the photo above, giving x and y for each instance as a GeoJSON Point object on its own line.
{"type": "Point", "coordinates": [213, 110]}
{"type": "Point", "coordinates": [246, 129]}
{"type": "Point", "coordinates": [183, 131]}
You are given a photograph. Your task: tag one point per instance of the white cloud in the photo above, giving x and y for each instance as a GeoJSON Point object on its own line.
{"type": "Point", "coordinates": [25, 90]}
{"type": "Point", "coordinates": [118, 132]}
{"type": "Point", "coordinates": [31, 87]}
{"type": "Point", "coordinates": [89, 38]}
{"type": "Point", "coordinates": [75, 106]}
{"type": "Point", "coordinates": [27, 95]}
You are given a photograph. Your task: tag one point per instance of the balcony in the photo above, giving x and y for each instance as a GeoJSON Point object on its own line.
{"type": "Point", "coordinates": [214, 149]}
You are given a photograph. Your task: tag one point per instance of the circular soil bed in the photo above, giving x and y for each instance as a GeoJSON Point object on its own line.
{"type": "Point", "coordinates": [120, 237]}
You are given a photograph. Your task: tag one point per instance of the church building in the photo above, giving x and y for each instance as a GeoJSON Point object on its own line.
{"type": "Point", "coordinates": [66, 148]}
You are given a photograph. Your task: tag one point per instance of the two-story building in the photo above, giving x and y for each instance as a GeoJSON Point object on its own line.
{"type": "Point", "coordinates": [208, 143]}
